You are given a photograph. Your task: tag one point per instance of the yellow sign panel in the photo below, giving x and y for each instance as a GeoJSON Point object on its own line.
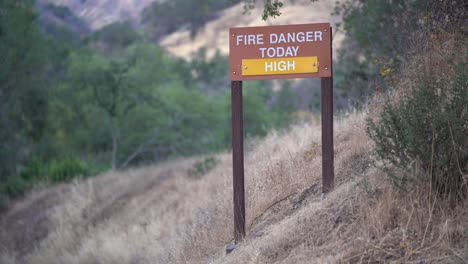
{"type": "Point", "coordinates": [279, 66]}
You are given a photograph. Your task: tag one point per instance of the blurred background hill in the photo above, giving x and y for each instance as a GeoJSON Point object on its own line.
{"type": "Point", "coordinates": [99, 13]}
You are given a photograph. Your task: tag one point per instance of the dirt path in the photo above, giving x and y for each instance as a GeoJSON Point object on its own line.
{"type": "Point", "coordinates": [26, 222]}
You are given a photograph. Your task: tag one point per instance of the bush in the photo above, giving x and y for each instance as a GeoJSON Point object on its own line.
{"type": "Point", "coordinates": [15, 186]}
{"type": "Point", "coordinates": [34, 171]}
{"type": "Point", "coordinates": [55, 171]}
{"type": "Point", "coordinates": [66, 169]}
{"type": "Point", "coordinates": [428, 128]}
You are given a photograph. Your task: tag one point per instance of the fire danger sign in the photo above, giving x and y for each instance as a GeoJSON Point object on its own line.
{"type": "Point", "coordinates": [280, 52]}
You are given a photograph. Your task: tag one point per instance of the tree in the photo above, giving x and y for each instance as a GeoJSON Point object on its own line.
{"type": "Point", "coordinates": [114, 37]}
{"type": "Point", "coordinates": [23, 88]}
{"type": "Point", "coordinates": [119, 103]}
{"type": "Point", "coordinates": [271, 8]}
{"type": "Point", "coordinates": [106, 85]}
{"type": "Point", "coordinates": [210, 73]}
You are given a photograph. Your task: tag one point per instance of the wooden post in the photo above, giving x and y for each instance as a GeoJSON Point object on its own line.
{"type": "Point", "coordinates": [328, 176]}
{"type": "Point", "coordinates": [246, 62]}
{"type": "Point", "coordinates": [238, 160]}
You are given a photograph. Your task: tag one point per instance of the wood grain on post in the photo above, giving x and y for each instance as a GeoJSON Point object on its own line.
{"type": "Point", "coordinates": [238, 160]}
{"type": "Point", "coordinates": [327, 130]}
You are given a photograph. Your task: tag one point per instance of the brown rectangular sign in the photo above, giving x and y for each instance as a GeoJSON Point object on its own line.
{"type": "Point", "coordinates": [280, 52]}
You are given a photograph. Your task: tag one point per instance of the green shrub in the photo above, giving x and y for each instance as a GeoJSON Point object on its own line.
{"type": "Point", "coordinates": [57, 170]}
{"type": "Point", "coordinates": [34, 171]}
{"type": "Point", "coordinates": [66, 169]}
{"type": "Point", "coordinates": [428, 128]}
{"type": "Point", "coordinates": [54, 171]}
{"type": "Point", "coordinates": [15, 186]}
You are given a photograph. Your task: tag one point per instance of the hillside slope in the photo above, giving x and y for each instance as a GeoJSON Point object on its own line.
{"type": "Point", "coordinates": [98, 13]}
{"type": "Point", "coordinates": [161, 214]}
{"type": "Point", "coordinates": [214, 35]}
{"type": "Point", "coordinates": [55, 18]}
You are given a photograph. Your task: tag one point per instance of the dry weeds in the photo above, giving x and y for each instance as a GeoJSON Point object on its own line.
{"type": "Point", "coordinates": [161, 215]}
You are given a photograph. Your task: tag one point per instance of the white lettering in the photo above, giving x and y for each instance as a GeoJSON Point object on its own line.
{"type": "Point", "coordinates": [269, 65]}
{"type": "Point", "coordinates": [281, 39]}
{"type": "Point", "coordinates": [251, 40]}
{"type": "Point", "coordinates": [295, 50]}
{"type": "Point", "coordinates": [273, 38]}
{"type": "Point", "coordinates": [291, 64]}
{"type": "Point", "coordinates": [282, 66]}
{"type": "Point", "coordinates": [300, 37]}
{"type": "Point", "coordinates": [259, 39]}
{"type": "Point", "coordinates": [280, 51]}
{"type": "Point", "coordinates": [239, 39]}
{"type": "Point", "coordinates": [271, 52]}
{"type": "Point", "coordinates": [293, 37]}
{"type": "Point", "coordinates": [318, 35]}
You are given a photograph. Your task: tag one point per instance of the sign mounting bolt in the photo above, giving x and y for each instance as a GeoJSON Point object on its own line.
{"type": "Point", "coordinates": [234, 72]}
{"type": "Point", "coordinates": [245, 67]}
{"type": "Point", "coordinates": [326, 68]}
{"type": "Point", "coordinates": [233, 35]}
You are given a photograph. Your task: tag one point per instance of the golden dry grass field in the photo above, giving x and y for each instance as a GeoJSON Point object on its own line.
{"type": "Point", "coordinates": [161, 214]}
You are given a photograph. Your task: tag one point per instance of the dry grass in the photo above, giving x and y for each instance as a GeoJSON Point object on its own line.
{"type": "Point", "coordinates": [161, 215]}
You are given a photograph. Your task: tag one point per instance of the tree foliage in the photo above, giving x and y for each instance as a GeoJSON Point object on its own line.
{"type": "Point", "coordinates": [71, 107]}
{"type": "Point", "coordinates": [23, 82]}
{"type": "Point", "coordinates": [114, 37]}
